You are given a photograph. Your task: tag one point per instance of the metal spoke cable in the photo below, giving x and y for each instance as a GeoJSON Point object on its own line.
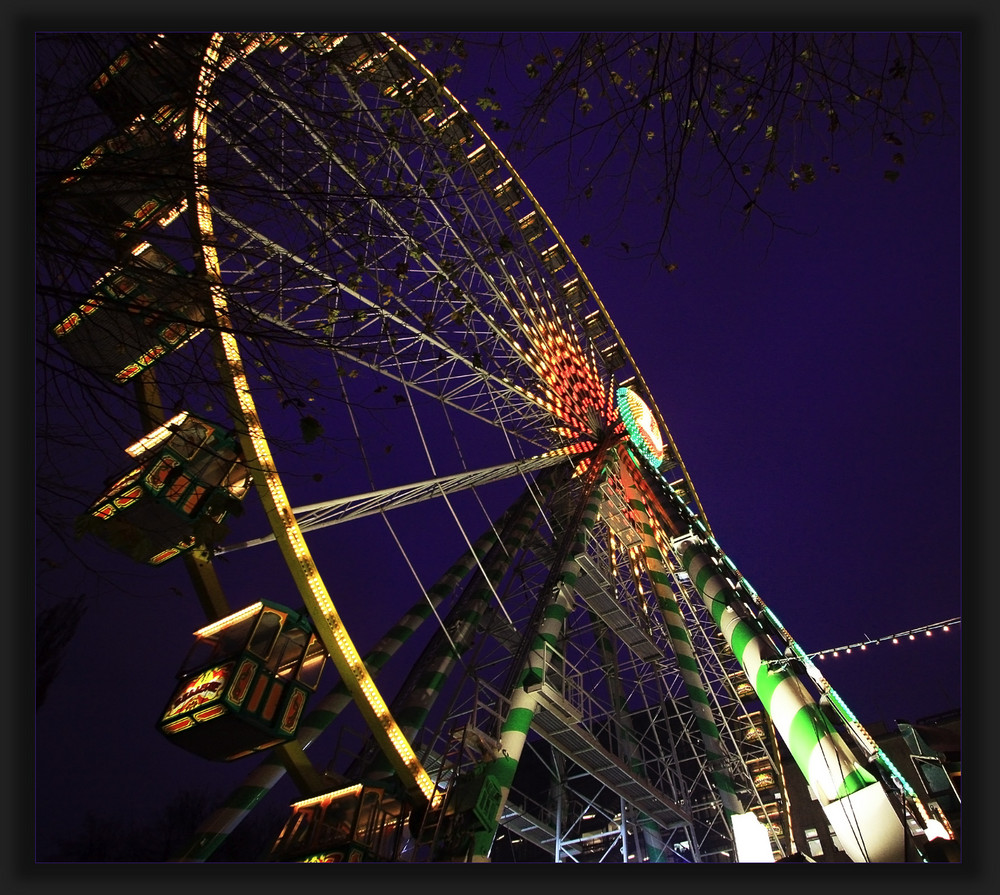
{"type": "Point", "coordinates": [385, 518]}
{"type": "Point", "coordinates": [392, 220]}
{"type": "Point", "coordinates": [444, 497]}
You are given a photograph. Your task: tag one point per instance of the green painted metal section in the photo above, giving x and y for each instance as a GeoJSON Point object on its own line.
{"type": "Point", "coordinates": [433, 669]}
{"type": "Point", "coordinates": [524, 704]}
{"type": "Point", "coordinates": [798, 719]}
{"type": "Point", "coordinates": [680, 643]}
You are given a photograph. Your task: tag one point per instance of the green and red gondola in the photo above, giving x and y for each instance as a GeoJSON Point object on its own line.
{"type": "Point", "coordinates": [245, 683]}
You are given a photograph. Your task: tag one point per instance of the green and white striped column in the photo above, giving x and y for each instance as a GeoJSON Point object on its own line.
{"type": "Point", "coordinates": [680, 642]}
{"type": "Point", "coordinates": [213, 832]}
{"type": "Point", "coordinates": [861, 736]}
{"type": "Point", "coordinates": [856, 805]}
{"type": "Point", "coordinates": [818, 750]}
{"type": "Point", "coordinates": [524, 704]}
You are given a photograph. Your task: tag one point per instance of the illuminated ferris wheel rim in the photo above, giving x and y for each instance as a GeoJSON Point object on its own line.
{"type": "Point", "coordinates": [564, 380]}
{"type": "Point", "coordinates": [562, 366]}
{"type": "Point", "coordinates": [571, 391]}
{"type": "Point", "coordinates": [284, 526]}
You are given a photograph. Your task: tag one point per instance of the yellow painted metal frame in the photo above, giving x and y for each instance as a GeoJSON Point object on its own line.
{"type": "Point", "coordinates": [288, 535]}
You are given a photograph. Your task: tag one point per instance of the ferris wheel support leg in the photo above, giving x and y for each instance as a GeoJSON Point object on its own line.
{"type": "Point", "coordinates": [423, 686]}
{"type": "Point", "coordinates": [524, 703]}
{"type": "Point", "coordinates": [687, 661]}
{"type": "Point", "coordinates": [854, 802]}
{"type": "Point", "coordinates": [652, 838]}
{"type": "Point", "coordinates": [214, 831]}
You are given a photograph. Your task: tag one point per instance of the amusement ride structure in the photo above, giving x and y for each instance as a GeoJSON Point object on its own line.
{"type": "Point", "coordinates": [257, 228]}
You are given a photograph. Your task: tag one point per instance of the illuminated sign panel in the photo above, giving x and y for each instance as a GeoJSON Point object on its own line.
{"type": "Point", "coordinates": [641, 425]}
{"type": "Point", "coordinates": [198, 692]}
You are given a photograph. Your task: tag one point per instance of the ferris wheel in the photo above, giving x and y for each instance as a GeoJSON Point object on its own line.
{"type": "Point", "coordinates": [336, 305]}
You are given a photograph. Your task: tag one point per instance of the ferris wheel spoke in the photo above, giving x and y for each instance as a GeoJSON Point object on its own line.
{"type": "Point", "coordinates": [470, 259]}
{"type": "Point", "coordinates": [408, 345]}
{"type": "Point", "coordinates": [345, 509]}
{"type": "Point", "coordinates": [430, 209]}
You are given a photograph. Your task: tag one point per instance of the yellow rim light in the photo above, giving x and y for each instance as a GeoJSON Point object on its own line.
{"type": "Point", "coordinates": [237, 616]}
{"type": "Point", "coordinates": [328, 796]}
{"type": "Point", "coordinates": [288, 534]}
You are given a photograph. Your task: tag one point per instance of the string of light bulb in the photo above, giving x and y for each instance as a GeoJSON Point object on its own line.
{"type": "Point", "coordinates": [897, 638]}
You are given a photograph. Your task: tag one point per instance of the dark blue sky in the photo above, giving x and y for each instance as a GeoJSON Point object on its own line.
{"type": "Point", "coordinates": [811, 381]}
